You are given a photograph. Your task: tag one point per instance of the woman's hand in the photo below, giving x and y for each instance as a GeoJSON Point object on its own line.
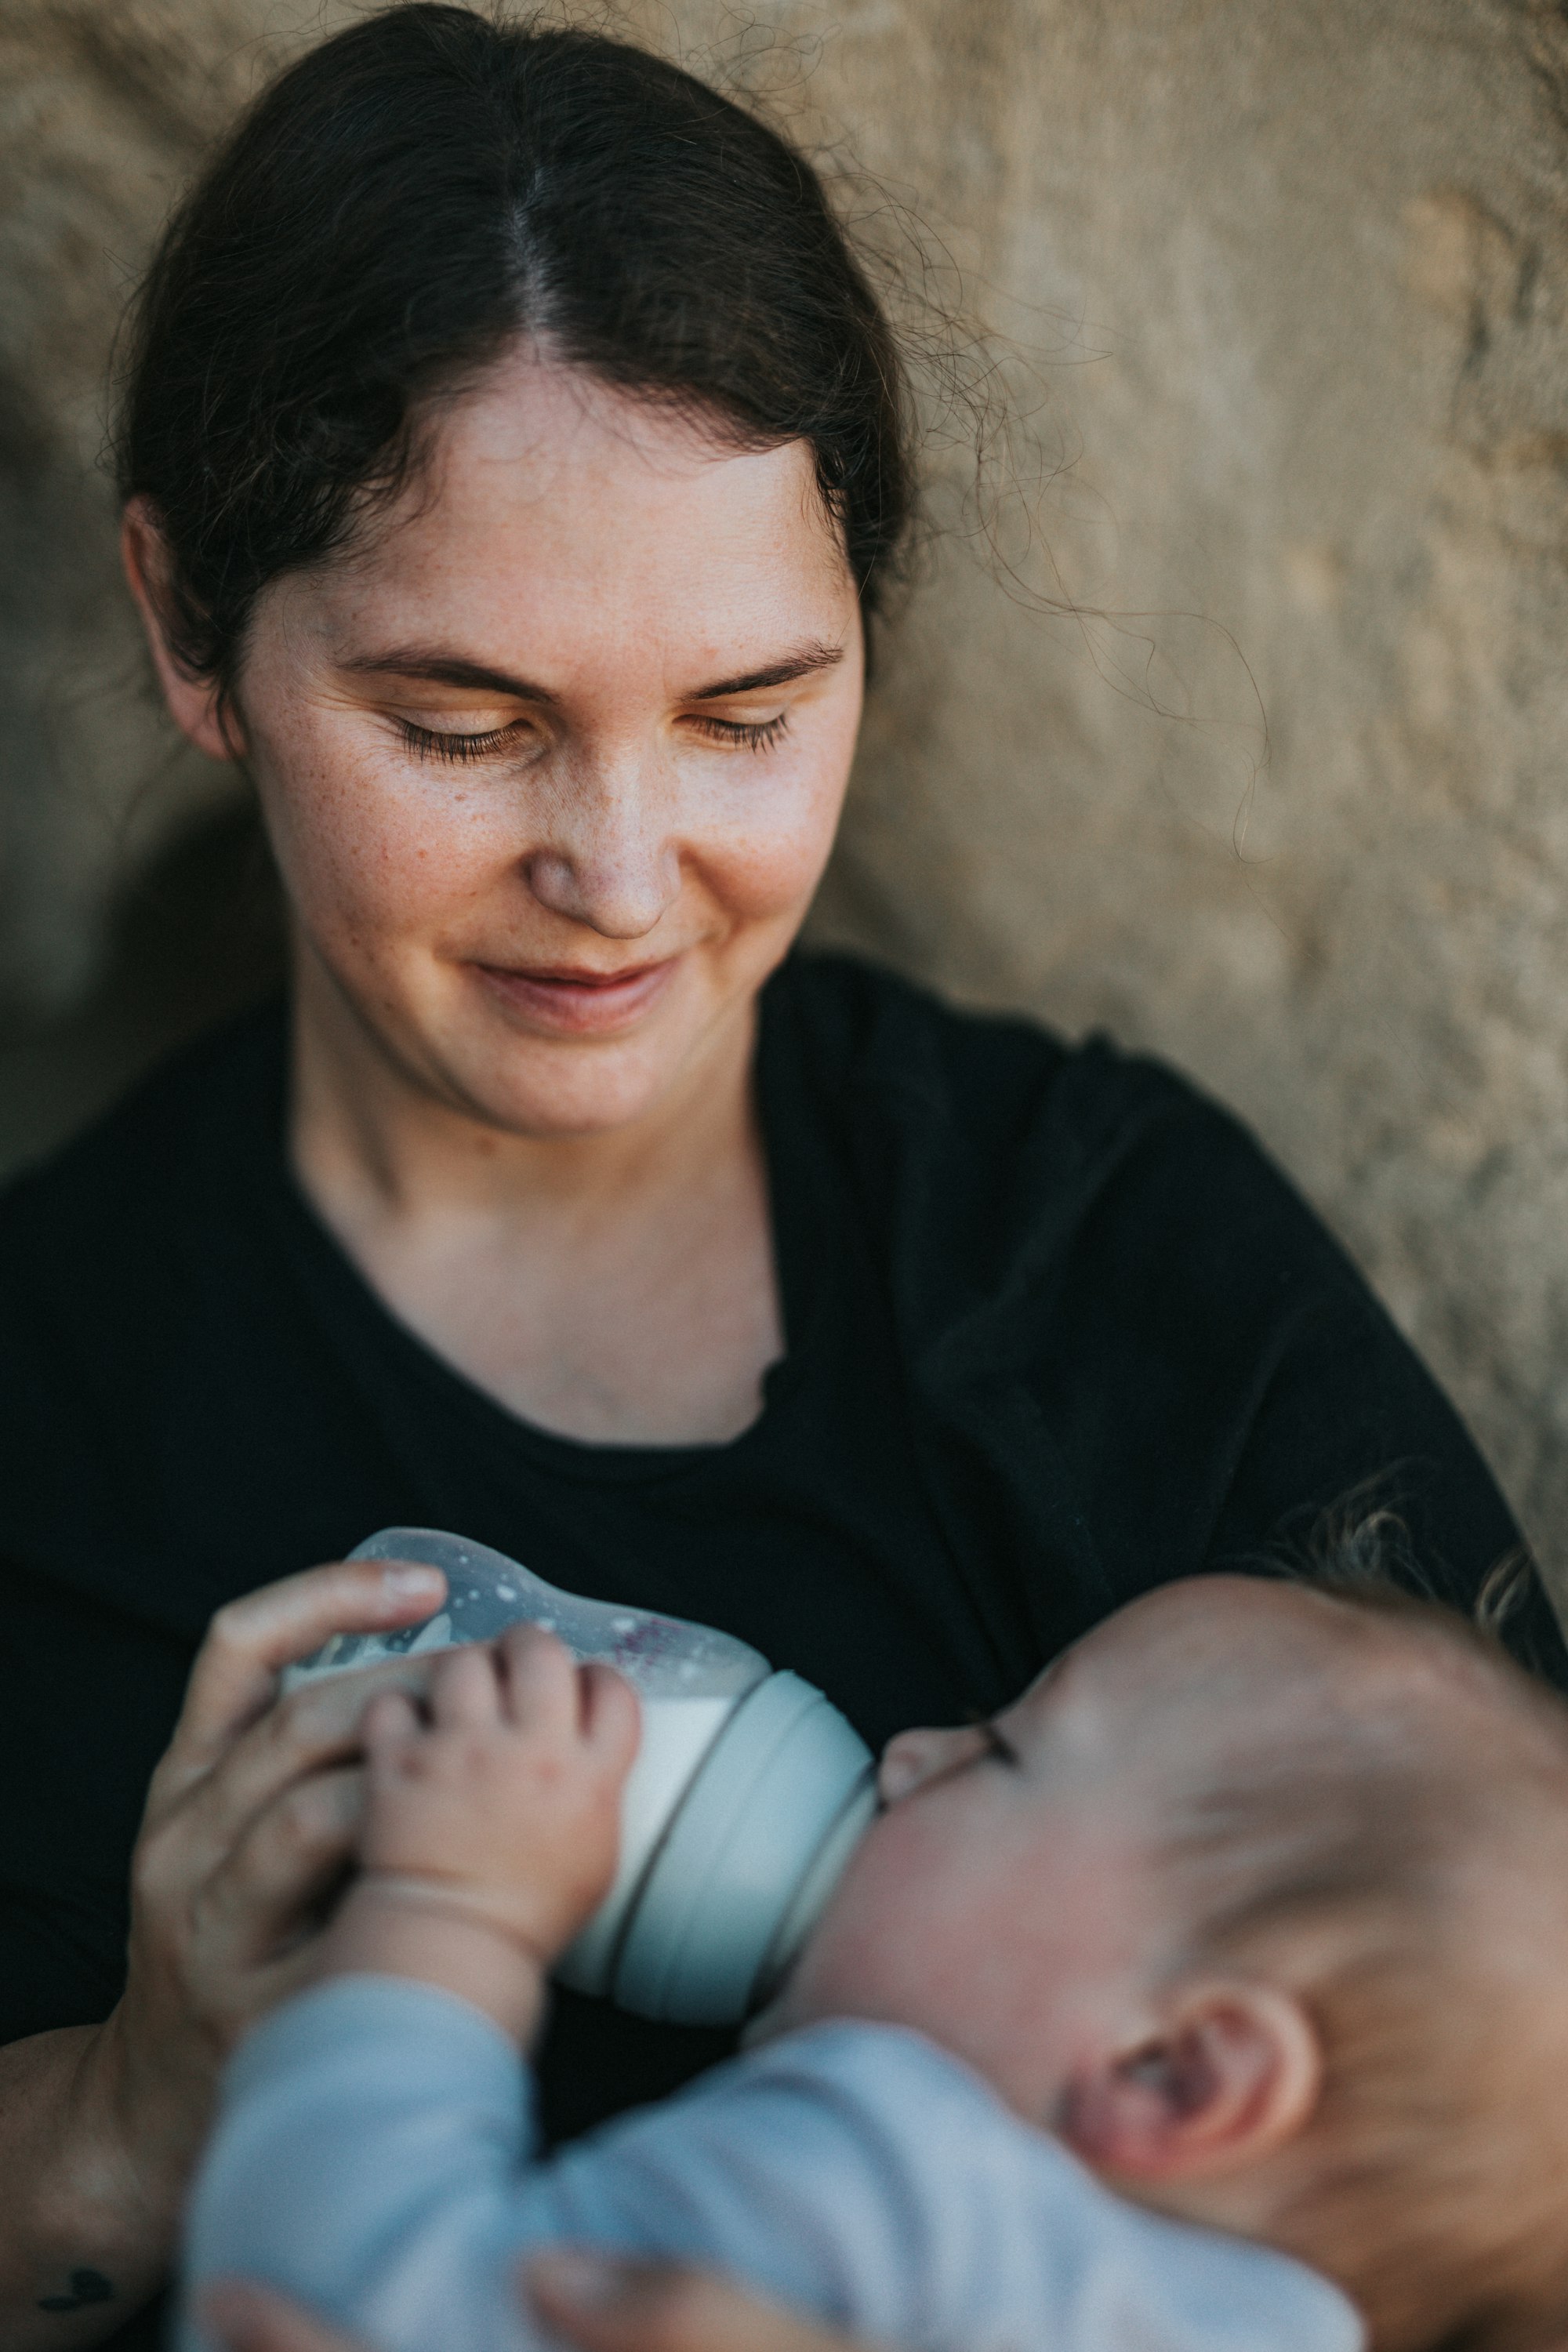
{"type": "Point", "coordinates": [491, 1821]}
{"type": "Point", "coordinates": [249, 1820]}
{"type": "Point", "coordinates": [599, 2305]}
{"type": "Point", "coordinates": [605, 2305]}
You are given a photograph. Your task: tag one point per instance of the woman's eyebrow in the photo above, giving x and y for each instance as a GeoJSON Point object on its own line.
{"type": "Point", "coordinates": [452, 669]}
{"type": "Point", "coordinates": [799, 664]}
{"type": "Point", "coordinates": [444, 670]}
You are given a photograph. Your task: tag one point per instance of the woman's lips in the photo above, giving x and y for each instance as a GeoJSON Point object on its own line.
{"type": "Point", "coordinates": [577, 1002]}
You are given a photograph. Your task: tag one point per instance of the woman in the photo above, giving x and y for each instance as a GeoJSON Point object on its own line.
{"type": "Point", "coordinates": [514, 457]}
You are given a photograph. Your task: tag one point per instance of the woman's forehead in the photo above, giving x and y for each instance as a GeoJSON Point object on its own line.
{"type": "Point", "coordinates": [556, 470]}
{"type": "Point", "coordinates": [553, 517]}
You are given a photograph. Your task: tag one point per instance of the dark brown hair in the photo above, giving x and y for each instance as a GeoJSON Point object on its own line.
{"type": "Point", "coordinates": [422, 190]}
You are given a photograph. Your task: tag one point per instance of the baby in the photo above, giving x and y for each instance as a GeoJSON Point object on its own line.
{"type": "Point", "coordinates": [1214, 1995]}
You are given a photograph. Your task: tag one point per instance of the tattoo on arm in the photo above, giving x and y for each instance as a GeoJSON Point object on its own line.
{"type": "Point", "coordinates": [86, 2286]}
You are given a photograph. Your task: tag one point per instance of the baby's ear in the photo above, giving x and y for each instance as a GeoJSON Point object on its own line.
{"type": "Point", "coordinates": [1232, 2073]}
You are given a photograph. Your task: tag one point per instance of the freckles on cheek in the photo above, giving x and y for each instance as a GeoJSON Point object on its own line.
{"type": "Point", "coordinates": [770, 866]}
{"type": "Point", "coordinates": [762, 882]}
{"type": "Point", "coordinates": [365, 852]}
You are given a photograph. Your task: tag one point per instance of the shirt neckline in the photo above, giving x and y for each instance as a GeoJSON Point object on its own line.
{"type": "Point", "coordinates": [798, 1271]}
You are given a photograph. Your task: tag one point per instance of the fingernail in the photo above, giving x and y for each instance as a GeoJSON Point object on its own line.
{"type": "Point", "coordinates": [570, 2276]}
{"type": "Point", "coordinates": [402, 1583]}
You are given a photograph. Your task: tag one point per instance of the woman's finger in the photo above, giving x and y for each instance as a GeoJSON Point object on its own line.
{"type": "Point", "coordinates": [603, 2303]}
{"type": "Point", "coordinates": [284, 1863]}
{"type": "Point", "coordinates": [233, 1679]}
{"type": "Point", "coordinates": [316, 1727]}
{"type": "Point", "coordinates": [244, 2317]}
{"type": "Point", "coordinates": [600, 2306]}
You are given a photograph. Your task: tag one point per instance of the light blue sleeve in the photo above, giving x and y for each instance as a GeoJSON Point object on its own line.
{"type": "Point", "coordinates": [368, 2156]}
{"type": "Point", "coordinates": [371, 2158]}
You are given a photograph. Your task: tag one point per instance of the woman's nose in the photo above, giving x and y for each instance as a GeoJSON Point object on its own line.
{"type": "Point", "coordinates": [610, 859]}
{"type": "Point", "coordinates": [913, 1757]}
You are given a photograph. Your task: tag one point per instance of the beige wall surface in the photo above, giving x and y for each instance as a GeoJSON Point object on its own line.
{"type": "Point", "coordinates": [1280, 308]}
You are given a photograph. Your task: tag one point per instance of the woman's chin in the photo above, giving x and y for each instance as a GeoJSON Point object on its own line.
{"type": "Point", "coordinates": [561, 1087]}
{"type": "Point", "coordinates": [533, 1056]}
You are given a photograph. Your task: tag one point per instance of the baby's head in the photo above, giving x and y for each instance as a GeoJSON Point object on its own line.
{"type": "Point", "coordinates": [1259, 1899]}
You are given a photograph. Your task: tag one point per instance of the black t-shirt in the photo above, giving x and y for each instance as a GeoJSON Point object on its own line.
{"type": "Point", "coordinates": [1057, 1331]}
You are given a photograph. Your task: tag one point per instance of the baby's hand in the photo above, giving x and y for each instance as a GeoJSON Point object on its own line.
{"type": "Point", "coordinates": [492, 1824]}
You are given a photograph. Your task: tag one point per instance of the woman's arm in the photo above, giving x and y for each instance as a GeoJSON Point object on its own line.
{"type": "Point", "coordinates": [1212, 1373]}
{"type": "Point", "coordinates": [373, 2148]}
{"type": "Point", "coordinates": [248, 1818]}
{"type": "Point", "coordinates": [605, 2305]}
{"type": "Point", "coordinates": [587, 2299]}
{"type": "Point", "coordinates": [74, 2245]}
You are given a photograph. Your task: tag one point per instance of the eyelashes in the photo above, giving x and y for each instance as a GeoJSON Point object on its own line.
{"type": "Point", "coordinates": [438, 743]}
{"type": "Point", "coordinates": [1002, 1749]}
{"type": "Point", "coordinates": [753, 735]}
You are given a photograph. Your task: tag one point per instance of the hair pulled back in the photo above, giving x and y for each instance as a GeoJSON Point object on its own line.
{"type": "Point", "coordinates": [416, 195]}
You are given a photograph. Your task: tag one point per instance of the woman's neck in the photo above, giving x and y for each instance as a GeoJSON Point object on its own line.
{"type": "Point", "coordinates": [366, 1132]}
{"type": "Point", "coordinates": [616, 1286]}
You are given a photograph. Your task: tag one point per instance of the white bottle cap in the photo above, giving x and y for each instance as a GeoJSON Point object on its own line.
{"type": "Point", "coordinates": [788, 1786]}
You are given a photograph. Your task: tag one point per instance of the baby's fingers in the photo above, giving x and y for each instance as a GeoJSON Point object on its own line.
{"type": "Point", "coordinates": [465, 1690]}
{"type": "Point", "coordinates": [540, 1675]}
{"type": "Point", "coordinates": [389, 1722]}
{"type": "Point", "coordinates": [612, 1716]}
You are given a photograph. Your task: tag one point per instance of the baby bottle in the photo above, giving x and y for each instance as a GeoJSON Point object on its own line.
{"type": "Point", "coordinates": [748, 1793]}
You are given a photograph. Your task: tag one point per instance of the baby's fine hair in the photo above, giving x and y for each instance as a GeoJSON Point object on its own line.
{"type": "Point", "coordinates": [1385, 1827]}
{"type": "Point", "coordinates": [1371, 1783]}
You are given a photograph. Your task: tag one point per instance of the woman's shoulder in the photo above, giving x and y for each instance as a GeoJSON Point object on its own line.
{"type": "Point", "coordinates": [157, 1165]}
{"type": "Point", "coordinates": [1202, 1363]}
{"type": "Point", "coordinates": [995, 1088]}
{"type": "Point", "coordinates": [998, 1157]}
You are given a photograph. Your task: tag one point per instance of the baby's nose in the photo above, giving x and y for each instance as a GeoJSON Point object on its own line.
{"type": "Point", "coordinates": [913, 1757]}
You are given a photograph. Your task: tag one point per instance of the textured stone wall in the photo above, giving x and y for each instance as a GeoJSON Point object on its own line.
{"type": "Point", "coordinates": [1232, 711]}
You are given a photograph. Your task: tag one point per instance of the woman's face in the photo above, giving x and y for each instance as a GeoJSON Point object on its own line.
{"type": "Point", "coordinates": [553, 764]}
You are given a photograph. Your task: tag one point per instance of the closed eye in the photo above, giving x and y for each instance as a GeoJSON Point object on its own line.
{"type": "Point", "coordinates": [996, 1745]}
{"type": "Point", "coordinates": [439, 743]}
{"type": "Point", "coordinates": [746, 734]}
{"type": "Point", "coordinates": [444, 743]}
